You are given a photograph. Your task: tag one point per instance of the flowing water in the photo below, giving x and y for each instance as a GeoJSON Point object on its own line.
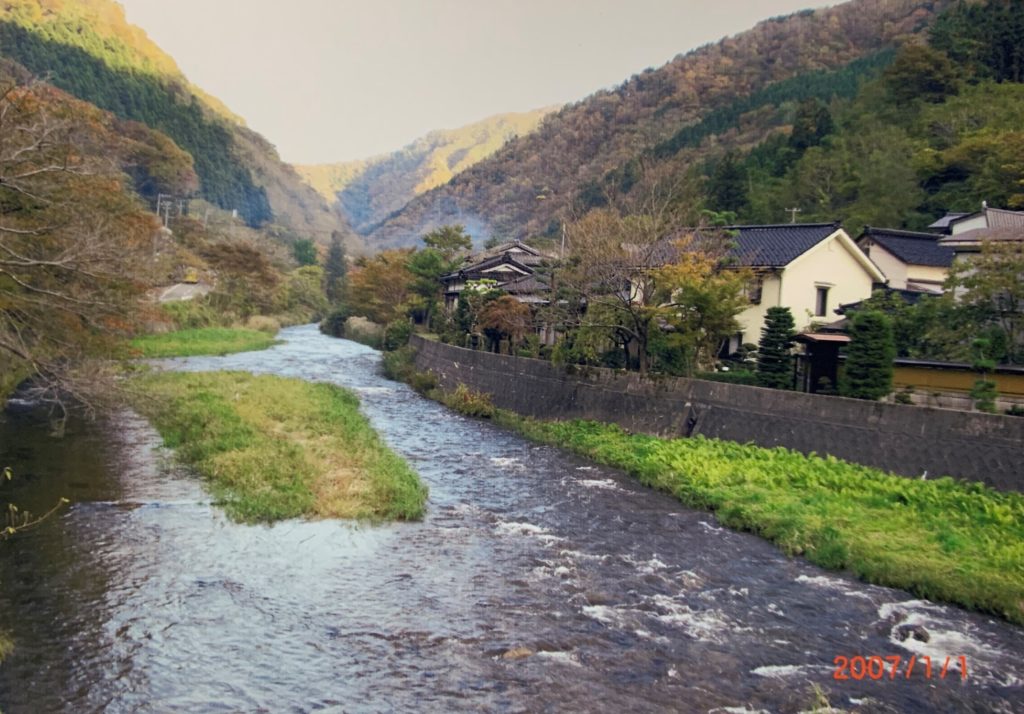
{"type": "Point", "coordinates": [536, 582]}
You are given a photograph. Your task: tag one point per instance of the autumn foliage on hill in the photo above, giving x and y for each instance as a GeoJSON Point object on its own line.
{"type": "Point", "coordinates": [89, 49]}
{"type": "Point", "coordinates": [532, 183]}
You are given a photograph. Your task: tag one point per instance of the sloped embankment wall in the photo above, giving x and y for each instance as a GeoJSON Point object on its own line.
{"type": "Point", "coordinates": [907, 440]}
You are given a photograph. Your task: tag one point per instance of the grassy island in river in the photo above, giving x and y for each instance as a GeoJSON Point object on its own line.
{"type": "Point", "coordinates": [274, 448]}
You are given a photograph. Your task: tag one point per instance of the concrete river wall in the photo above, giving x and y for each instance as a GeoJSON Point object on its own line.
{"type": "Point", "coordinates": [907, 440]}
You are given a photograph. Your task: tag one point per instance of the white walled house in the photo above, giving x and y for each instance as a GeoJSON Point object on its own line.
{"type": "Point", "coordinates": [909, 260]}
{"type": "Point", "coordinates": [811, 268]}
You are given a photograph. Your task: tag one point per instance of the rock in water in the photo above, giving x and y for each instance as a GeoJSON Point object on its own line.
{"type": "Point", "coordinates": [916, 631]}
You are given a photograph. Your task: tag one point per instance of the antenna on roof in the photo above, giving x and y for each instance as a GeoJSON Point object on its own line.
{"type": "Point", "coordinates": [792, 214]}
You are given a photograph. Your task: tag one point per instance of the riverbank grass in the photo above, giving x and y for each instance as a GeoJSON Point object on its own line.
{"type": "Point", "coordinates": [274, 448]}
{"type": "Point", "coordinates": [202, 341]}
{"type": "Point", "coordinates": [940, 539]}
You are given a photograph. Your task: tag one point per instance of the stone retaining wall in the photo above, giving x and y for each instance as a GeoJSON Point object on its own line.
{"type": "Point", "coordinates": [907, 440]}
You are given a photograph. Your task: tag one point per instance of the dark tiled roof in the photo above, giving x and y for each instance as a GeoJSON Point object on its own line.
{"type": "Point", "coordinates": [912, 248]}
{"type": "Point", "coordinates": [775, 246]}
{"type": "Point", "coordinates": [525, 254]}
{"type": "Point", "coordinates": [527, 284]}
{"type": "Point", "coordinates": [477, 268]}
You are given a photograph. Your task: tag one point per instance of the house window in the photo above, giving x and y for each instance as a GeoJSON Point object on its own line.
{"type": "Point", "coordinates": [821, 302]}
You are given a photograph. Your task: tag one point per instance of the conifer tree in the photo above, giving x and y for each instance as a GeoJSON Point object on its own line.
{"type": "Point", "coordinates": [335, 268]}
{"type": "Point", "coordinates": [868, 373]}
{"type": "Point", "coordinates": [727, 189]}
{"type": "Point", "coordinates": [774, 358]}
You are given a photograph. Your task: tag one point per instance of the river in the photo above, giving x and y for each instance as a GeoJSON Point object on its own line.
{"type": "Point", "coordinates": [536, 582]}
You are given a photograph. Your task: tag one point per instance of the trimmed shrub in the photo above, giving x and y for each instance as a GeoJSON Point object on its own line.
{"type": "Point", "coordinates": [774, 351]}
{"type": "Point", "coordinates": [868, 372]}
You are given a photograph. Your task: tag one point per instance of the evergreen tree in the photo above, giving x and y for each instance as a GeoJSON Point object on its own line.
{"type": "Point", "coordinates": [727, 189]}
{"type": "Point", "coordinates": [774, 358]}
{"type": "Point", "coordinates": [449, 240]}
{"type": "Point", "coordinates": [335, 268]}
{"type": "Point", "coordinates": [868, 373]}
{"type": "Point", "coordinates": [812, 123]}
{"type": "Point", "coordinates": [920, 73]}
{"type": "Point", "coordinates": [304, 252]}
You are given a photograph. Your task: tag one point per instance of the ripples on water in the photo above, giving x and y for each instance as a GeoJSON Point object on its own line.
{"type": "Point", "coordinates": [537, 582]}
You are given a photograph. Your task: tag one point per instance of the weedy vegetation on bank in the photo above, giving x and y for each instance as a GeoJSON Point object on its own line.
{"type": "Point", "coordinates": [202, 341]}
{"type": "Point", "coordinates": [275, 448]}
{"type": "Point", "coordinates": [939, 538]}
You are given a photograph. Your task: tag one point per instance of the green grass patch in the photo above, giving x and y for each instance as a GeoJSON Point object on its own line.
{"type": "Point", "coordinates": [941, 539]}
{"type": "Point", "coordinates": [275, 448]}
{"type": "Point", "coordinates": [202, 341]}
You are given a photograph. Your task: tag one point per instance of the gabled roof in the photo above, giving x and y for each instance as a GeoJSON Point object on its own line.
{"type": "Point", "coordinates": [778, 245]}
{"type": "Point", "coordinates": [911, 247]}
{"type": "Point", "coordinates": [507, 246]}
{"type": "Point", "coordinates": [525, 254]}
{"type": "Point", "coordinates": [994, 218]}
{"type": "Point", "coordinates": [488, 264]}
{"type": "Point", "coordinates": [770, 246]}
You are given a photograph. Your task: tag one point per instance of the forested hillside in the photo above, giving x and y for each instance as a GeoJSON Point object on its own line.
{"type": "Point", "coordinates": [89, 49]}
{"type": "Point", "coordinates": [370, 190]}
{"type": "Point", "coordinates": [732, 94]}
{"type": "Point", "coordinates": [939, 130]}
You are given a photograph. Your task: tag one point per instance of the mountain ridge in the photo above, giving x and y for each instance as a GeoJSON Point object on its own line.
{"type": "Point", "coordinates": [90, 50]}
{"type": "Point", "coordinates": [369, 190]}
{"type": "Point", "coordinates": [586, 140]}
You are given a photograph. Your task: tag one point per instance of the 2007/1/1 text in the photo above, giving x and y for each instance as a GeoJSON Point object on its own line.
{"type": "Point", "coordinates": [892, 666]}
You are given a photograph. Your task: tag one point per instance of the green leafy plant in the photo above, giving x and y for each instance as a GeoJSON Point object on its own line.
{"type": "Point", "coordinates": [905, 395]}
{"type": "Point", "coordinates": [469, 402]}
{"type": "Point", "coordinates": [396, 335]}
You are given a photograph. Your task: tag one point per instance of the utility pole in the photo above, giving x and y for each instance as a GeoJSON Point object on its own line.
{"type": "Point", "coordinates": [792, 214]}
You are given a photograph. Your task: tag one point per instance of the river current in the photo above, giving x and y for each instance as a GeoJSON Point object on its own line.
{"type": "Point", "coordinates": [536, 582]}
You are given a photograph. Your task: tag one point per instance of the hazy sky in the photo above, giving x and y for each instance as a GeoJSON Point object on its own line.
{"type": "Point", "coordinates": [329, 80]}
